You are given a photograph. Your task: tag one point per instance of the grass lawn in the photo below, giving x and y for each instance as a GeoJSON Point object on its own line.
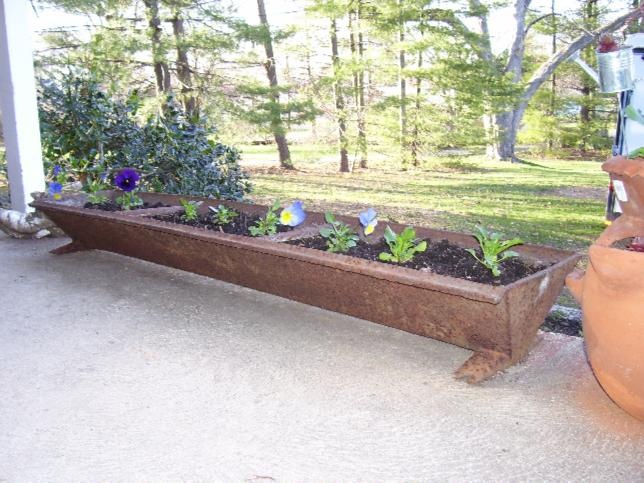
{"type": "Point", "coordinates": [552, 202]}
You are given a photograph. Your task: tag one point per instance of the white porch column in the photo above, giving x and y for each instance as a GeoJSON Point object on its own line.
{"type": "Point", "coordinates": [18, 103]}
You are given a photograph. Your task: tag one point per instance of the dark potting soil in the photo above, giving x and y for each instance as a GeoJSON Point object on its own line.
{"type": "Point", "coordinates": [441, 257]}
{"type": "Point", "coordinates": [561, 324]}
{"type": "Point", "coordinates": [111, 206]}
{"type": "Point", "coordinates": [239, 225]}
{"type": "Point", "coordinates": [445, 258]}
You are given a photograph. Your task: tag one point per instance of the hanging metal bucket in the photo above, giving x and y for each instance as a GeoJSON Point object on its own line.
{"type": "Point", "coordinates": [615, 70]}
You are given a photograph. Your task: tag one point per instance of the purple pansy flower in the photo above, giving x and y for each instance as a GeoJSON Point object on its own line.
{"type": "Point", "coordinates": [369, 220]}
{"type": "Point", "coordinates": [127, 179]}
{"type": "Point", "coordinates": [55, 190]}
{"type": "Point", "coordinates": [293, 214]}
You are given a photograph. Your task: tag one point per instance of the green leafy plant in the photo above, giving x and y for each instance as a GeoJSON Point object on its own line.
{"type": "Point", "coordinates": [92, 187]}
{"type": "Point", "coordinates": [339, 236]}
{"type": "Point", "coordinates": [190, 210]}
{"type": "Point", "coordinates": [403, 247]}
{"type": "Point", "coordinates": [494, 249]}
{"type": "Point", "coordinates": [129, 200]}
{"type": "Point", "coordinates": [267, 225]}
{"type": "Point", "coordinates": [88, 130]}
{"type": "Point", "coordinates": [636, 153]}
{"type": "Point", "coordinates": [97, 198]}
{"type": "Point", "coordinates": [223, 215]}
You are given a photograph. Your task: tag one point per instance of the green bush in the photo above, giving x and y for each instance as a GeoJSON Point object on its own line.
{"type": "Point", "coordinates": [3, 162]}
{"type": "Point", "coordinates": [91, 134]}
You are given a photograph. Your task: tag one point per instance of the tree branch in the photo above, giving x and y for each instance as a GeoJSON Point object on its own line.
{"type": "Point", "coordinates": [515, 59]}
{"type": "Point", "coordinates": [537, 20]}
{"type": "Point", "coordinates": [450, 18]}
{"type": "Point", "coordinates": [548, 67]}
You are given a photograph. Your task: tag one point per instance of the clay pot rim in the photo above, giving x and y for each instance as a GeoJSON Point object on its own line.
{"type": "Point", "coordinates": [615, 251]}
{"type": "Point", "coordinates": [623, 166]}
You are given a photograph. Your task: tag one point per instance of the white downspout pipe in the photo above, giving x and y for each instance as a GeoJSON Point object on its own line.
{"type": "Point", "coordinates": [19, 105]}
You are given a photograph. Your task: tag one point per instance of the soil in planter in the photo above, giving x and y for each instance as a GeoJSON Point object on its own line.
{"type": "Point", "coordinates": [441, 257]}
{"type": "Point", "coordinates": [111, 206]}
{"type": "Point", "coordinates": [556, 322]}
{"type": "Point", "coordinates": [239, 225]}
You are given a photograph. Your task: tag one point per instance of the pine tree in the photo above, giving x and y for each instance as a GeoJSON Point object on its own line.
{"type": "Point", "coordinates": [276, 123]}
{"type": "Point", "coordinates": [341, 112]}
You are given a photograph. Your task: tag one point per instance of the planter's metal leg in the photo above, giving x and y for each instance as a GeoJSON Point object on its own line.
{"type": "Point", "coordinates": [481, 365]}
{"type": "Point", "coordinates": [71, 247]}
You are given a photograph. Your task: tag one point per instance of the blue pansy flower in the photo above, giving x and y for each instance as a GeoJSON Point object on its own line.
{"type": "Point", "coordinates": [127, 179]}
{"type": "Point", "coordinates": [293, 214]}
{"type": "Point", "coordinates": [369, 220]}
{"type": "Point", "coordinates": [56, 190]}
{"type": "Point", "coordinates": [57, 170]}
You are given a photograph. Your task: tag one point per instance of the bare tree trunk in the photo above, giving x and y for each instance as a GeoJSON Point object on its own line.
{"type": "Point", "coordinates": [553, 78]}
{"type": "Point", "coordinates": [486, 54]}
{"type": "Point", "coordinates": [403, 89]}
{"type": "Point", "coordinates": [277, 125]}
{"type": "Point", "coordinates": [507, 123]}
{"type": "Point", "coordinates": [362, 127]}
{"type": "Point", "coordinates": [184, 73]}
{"type": "Point", "coordinates": [515, 61]}
{"type": "Point", "coordinates": [309, 73]}
{"type": "Point", "coordinates": [415, 142]}
{"type": "Point", "coordinates": [358, 79]}
{"type": "Point", "coordinates": [588, 89]}
{"type": "Point", "coordinates": [354, 61]}
{"type": "Point", "coordinates": [339, 99]}
{"type": "Point", "coordinates": [161, 71]}
{"type": "Point", "coordinates": [287, 79]}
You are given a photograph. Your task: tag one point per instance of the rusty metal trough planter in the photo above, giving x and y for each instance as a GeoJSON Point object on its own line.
{"type": "Point", "coordinates": [498, 323]}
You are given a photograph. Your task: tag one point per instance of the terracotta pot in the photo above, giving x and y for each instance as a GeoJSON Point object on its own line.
{"type": "Point", "coordinates": [499, 323]}
{"type": "Point", "coordinates": [628, 180]}
{"type": "Point", "coordinates": [612, 297]}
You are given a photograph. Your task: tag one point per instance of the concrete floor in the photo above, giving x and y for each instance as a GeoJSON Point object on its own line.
{"type": "Point", "coordinates": [116, 369]}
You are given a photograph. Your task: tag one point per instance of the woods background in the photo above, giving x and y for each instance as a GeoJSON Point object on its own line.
{"type": "Point", "coordinates": [402, 77]}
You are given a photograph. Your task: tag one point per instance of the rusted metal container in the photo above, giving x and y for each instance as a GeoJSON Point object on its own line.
{"type": "Point", "coordinates": [499, 323]}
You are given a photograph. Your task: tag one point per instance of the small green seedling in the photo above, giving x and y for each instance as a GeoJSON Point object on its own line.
{"type": "Point", "coordinates": [190, 210]}
{"type": "Point", "coordinates": [222, 215]}
{"type": "Point", "coordinates": [97, 199]}
{"type": "Point", "coordinates": [492, 246]}
{"type": "Point", "coordinates": [128, 200]}
{"type": "Point", "coordinates": [268, 224]}
{"type": "Point", "coordinates": [93, 187]}
{"type": "Point", "coordinates": [403, 247]}
{"type": "Point", "coordinates": [339, 236]}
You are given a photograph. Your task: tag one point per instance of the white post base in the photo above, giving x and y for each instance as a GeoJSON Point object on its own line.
{"type": "Point", "coordinates": [19, 105]}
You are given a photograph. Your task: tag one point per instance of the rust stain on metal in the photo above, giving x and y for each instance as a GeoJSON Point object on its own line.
{"type": "Point", "coordinates": [498, 323]}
